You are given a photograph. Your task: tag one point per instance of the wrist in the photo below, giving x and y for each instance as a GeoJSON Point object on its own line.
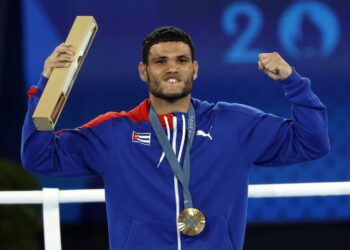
{"type": "Point", "coordinates": [287, 73]}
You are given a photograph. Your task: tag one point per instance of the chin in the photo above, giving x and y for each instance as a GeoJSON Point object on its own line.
{"type": "Point", "coordinates": [175, 97]}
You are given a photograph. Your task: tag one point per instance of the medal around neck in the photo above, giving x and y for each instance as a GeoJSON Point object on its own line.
{"type": "Point", "coordinates": [191, 222]}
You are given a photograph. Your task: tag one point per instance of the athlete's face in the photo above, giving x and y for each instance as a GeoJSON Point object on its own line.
{"type": "Point", "coordinates": [170, 70]}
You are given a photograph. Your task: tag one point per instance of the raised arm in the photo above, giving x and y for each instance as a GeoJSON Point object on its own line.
{"type": "Point", "coordinates": [74, 152]}
{"type": "Point", "coordinates": [271, 140]}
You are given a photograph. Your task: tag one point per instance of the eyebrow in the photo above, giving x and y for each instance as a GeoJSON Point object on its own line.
{"type": "Point", "coordinates": [183, 56]}
{"type": "Point", "coordinates": [160, 57]}
{"type": "Point", "coordinates": [166, 57]}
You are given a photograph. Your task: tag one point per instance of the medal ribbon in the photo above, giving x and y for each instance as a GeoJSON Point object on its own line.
{"type": "Point", "coordinates": [183, 175]}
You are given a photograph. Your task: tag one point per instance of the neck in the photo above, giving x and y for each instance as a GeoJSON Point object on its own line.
{"type": "Point", "coordinates": [162, 106]}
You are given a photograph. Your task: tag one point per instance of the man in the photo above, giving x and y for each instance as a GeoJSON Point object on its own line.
{"type": "Point", "coordinates": [195, 198]}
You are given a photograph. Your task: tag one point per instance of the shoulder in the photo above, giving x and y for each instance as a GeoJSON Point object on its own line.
{"type": "Point", "coordinates": [238, 109]}
{"type": "Point", "coordinates": [137, 114]}
{"type": "Point", "coordinates": [226, 107]}
{"type": "Point", "coordinates": [103, 118]}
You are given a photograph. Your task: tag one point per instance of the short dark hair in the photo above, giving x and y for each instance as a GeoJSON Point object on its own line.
{"type": "Point", "coordinates": [165, 34]}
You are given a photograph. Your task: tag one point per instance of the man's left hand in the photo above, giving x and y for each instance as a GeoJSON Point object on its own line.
{"type": "Point", "coordinates": [274, 66]}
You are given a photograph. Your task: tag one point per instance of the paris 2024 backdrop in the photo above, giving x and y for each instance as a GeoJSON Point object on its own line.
{"type": "Point", "coordinates": [228, 36]}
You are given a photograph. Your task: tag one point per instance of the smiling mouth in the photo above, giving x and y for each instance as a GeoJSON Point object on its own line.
{"type": "Point", "coordinates": [172, 80]}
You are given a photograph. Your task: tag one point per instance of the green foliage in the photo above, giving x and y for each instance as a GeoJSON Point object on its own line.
{"type": "Point", "coordinates": [19, 224]}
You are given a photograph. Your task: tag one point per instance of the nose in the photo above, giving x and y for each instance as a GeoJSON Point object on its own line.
{"type": "Point", "coordinates": [172, 67]}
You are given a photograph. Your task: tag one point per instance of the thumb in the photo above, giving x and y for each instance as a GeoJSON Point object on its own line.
{"type": "Point", "coordinates": [272, 75]}
{"type": "Point", "coordinates": [262, 68]}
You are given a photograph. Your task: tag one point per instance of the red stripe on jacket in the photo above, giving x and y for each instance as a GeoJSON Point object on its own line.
{"type": "Point", "coordinates": [32, 91]}
{"type": "Point", "coordinates": [138, 114]}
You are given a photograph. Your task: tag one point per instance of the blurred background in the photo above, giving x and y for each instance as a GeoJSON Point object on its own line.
{"type": "Point", "coordinates": [228, 35]}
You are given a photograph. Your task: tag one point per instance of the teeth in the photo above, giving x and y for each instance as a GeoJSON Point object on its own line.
{"type": "Point", "coordinates": [172, 80]}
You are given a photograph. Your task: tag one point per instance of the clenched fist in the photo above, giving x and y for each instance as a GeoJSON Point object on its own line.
{"type": "Point", "coordinates": [61, 57]}
{"type": "Point", "coordinates": [274, 66]}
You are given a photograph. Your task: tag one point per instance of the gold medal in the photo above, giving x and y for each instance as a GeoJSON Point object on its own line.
{"type": "Point", "coordinates": [191, 222]}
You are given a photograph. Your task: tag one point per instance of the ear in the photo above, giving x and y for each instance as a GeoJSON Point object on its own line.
{"type": "Point", "coordinates": [142, 71]}
{"type": "Point", "coordinates": [195, 70]}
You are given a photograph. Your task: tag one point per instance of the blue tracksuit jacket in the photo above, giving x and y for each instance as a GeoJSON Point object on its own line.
{"type": "Point", "coordinates": [142, 195]}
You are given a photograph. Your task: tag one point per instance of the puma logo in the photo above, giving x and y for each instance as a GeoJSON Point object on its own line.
{"type": "Point", "coordinates": [202, 133]}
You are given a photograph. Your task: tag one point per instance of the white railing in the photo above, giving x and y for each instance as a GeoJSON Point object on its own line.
{"type": "Point", "coordinates": [50, 198]}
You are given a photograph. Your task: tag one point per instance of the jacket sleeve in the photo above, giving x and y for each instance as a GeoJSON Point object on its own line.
{"type": "Point", "coordinates": [270, 140]}
{"type": "Point", "coordinates": [74, 152]}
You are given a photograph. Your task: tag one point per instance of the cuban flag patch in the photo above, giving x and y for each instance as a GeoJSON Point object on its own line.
{"type": "Point", "coordinates": [143, 138]}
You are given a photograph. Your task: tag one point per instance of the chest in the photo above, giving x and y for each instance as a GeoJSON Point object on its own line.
{"type": "Point", "coordinates": [139, 171]}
